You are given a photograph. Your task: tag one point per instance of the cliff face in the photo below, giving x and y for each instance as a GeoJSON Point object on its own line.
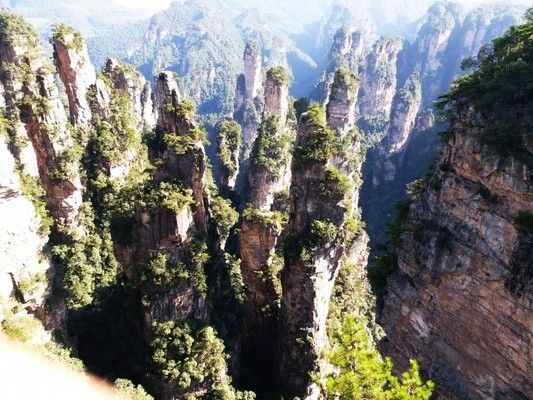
{"type": "Point", "coordinates": [404, 149]}
{"type": "Point", "coordinates": [461, 299]}
{"type": "Point", "coordinates": [405, 107]}
{"type": "Point", "coordinates": [319, 235]}
{"type": "Point", "coordinates": [75, 71]}
{"type": "Point", "coordinates": [248, 85]}
{"type": "Point", "coordinates": [263, 220]}
{"type": "Point", "coordinates": [33, 100]}
{"type": "Point", "coordinates": [378, 81]}
{"type": "Point", "coordinates": [22, 239]}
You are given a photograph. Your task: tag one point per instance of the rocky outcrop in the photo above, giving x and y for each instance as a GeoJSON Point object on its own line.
{"type": "Point", "coordinates": [406, 104]}
{"type": "Point", "coordinates": [460, 301]}
{"type": "Point", "coordinates": [75, 71]}
{"type": "Point", "coordinates": [252, 70]}
{"type": "Point", "coordinates": [229, 140]}
{"type": "Point", "coordinates": [428, 51]}
{"type": "Point", "coordinates": [378, 84]}
{"type": "Point", "coordinates": [130, 83]}
{"type": "Point", "coordinates": [263, 220]}
{"type": "Point", "coordinates": [248, 84]}
{"type": "Point", "coordinates": [320, 233]}
{"type": "Point", "coordinates": [347, 51]}
{"type": "Point", "coordinates": [23, 266]}
{"type": "Point", "coordinates": [185, 158]}
{"type": "Point", "coordinates": [33, 99]}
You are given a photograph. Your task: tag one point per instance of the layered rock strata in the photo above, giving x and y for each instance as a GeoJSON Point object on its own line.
{"type": "Point", "coordinates": [460, 301]}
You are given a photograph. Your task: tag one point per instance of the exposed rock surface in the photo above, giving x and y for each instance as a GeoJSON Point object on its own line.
{"type": "Point", "coordinates": [76, 72]}
{"type": "Point", "coordinates": [32, 96]}
{"type": "Point", "coordinates": [378, 81]}
{"type": "Point", "coordinates": [21, 243]}
{"type": "Point", "coordinates": [461, 300]}
{"type": "Point", "coordinates": [269, 177]}
{"type": "Point", "coordinates": [132, 84]}
{"type": "Point", "coordinates": [318, 238]}
{"type": "Point", "coordinates": [406, 104]}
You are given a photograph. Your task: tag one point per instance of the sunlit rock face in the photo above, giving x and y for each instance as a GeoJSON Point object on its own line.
{"type": "Point", "coordinates": [461, 299]}
{"type": "Point", "coordinates": [378, 81]}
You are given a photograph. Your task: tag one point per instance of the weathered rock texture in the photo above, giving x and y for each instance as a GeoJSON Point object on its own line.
{"type": "Point", "coordinates": [405, 106]}
{"type": "Point", "coordinates": [268, 179]}
{"type": "Point", "coordinates": [76, 72]}
{"type": "Point", "coordinates": [188, 166]}
{"type": "Point", "coordinates": [248, 84]}
{"type": "Point", "coordinates": [444, 39]}
{"type": "Point", "coordinates": [21, 242]}
{"type": "Point", "coordinates": [33, 99]}
{"type": "Point", "coordinates": [378, 81]}
{"type": "Point", "coordinates": [137, 89]}
{"type": "Point", "coordinates": [347, 51]}
{"type": "Point", "coordinates": [461, 299]}
{"type": "Point", "coordinates": [317, 240]}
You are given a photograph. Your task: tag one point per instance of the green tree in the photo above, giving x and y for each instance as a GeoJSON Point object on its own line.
{"type": "Point", "coordinates": [361, 373]}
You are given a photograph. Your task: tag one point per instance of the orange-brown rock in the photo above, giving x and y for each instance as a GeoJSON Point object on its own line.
{"type": "Point", "coordinates": [461, 299]}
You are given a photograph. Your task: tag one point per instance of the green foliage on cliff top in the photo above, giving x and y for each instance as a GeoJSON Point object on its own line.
{"type": "Point", "coordinates": [279, 75]}
{"type": "Point", "coordinates": [165, 196]}
{"type": "Point", "coordinates": [69, 36]}
{"type": "Point", "coordinates": [501, 89]}
{"type": "Point", "coordinates": [273, 218]}
{"type": "Point", "coordinates": [272, 148]}
{"type": "Point", "coordinates": [183, 143]}
{"type": "Point", "coordinates": [346, 77]}
{"type": "Point", "coordinates": [229, 135]}
{"type": "Point", "coordinates": [224, 214]}
{"type": "Point", "coordinates": [320, 144]}
{"type": "Point", "coordinates": [17, 30]}
{"type": "Point", "coordinates": [360, 372]}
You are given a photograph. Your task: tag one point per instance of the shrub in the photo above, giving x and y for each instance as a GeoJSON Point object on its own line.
{"type": "Point", "coordinates": [20, 327]}
{"type": "Point", "coordinates": [67, 35]}
{"type": "Point", "coordinates": [229, 135]}
{"type": "Point", "coordinates": [360, 373]}
{"type": "Point", "coordinates": [320, 145]}
{"type": "Point", "coordinates": [224, 215]}
{"type": "Point", "coordinates": [272, 218]}
{"type": "Point", "coordinates": [186, 355]}
{"type": "Point", "coordinates": [167, 196]}
{"type": "Point", "coordinates": [323, 231]}
{"type": "Point", "coordinates": [237, 284]}
{"type": "Point", "coordinates": [279, 75]}
{"type": "Point", "coordinates": [128, 389]}
{"type": "Point", "coordinates": [272, 149]}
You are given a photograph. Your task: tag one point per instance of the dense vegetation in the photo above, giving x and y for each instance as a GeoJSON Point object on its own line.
{"type": "Point", "coordinates": [500, 89]}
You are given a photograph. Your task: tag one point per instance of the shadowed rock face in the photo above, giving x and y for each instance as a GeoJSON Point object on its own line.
{"type": "Point", "coordinates": [461, 299]}
{"type": "Point", "coordinates": [405, 107]}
